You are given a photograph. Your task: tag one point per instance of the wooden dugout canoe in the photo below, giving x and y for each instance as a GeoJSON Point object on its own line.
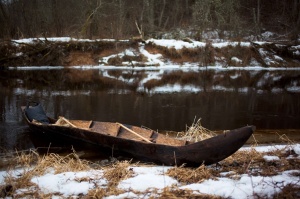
{"type": "Point", "coordinates": [143, 144]}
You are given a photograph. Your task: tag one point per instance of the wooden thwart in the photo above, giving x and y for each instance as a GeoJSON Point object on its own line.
{"type": "Point", "coordinates": [67, 121]}
{"type": "Point", "coordinates": [131, 131]}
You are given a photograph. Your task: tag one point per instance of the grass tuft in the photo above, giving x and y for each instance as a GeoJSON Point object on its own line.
{"type": "Point", "coordinates": [33, 165]}
{"type": "Point", "coordinates": [196, 132]}
{"type": "Point", "coordinates": [176, 193]}
{"type": "Point", "coordinates": [118, 172]}
{"type": "Point", "coordinates": [191, 175]}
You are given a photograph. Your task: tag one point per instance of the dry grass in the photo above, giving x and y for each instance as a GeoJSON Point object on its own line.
{"type": "Point", "coordinates": [250, 162]}
{"type": "Point", "coordinates": [196, 132]}
{"type": "Point", "coordinates": [240, 162]}
{"type": "Point", "coordinates": [97, 193]}
{"type": "Point", "coordinates": [49, 53]}
{"type": "Point", "coordinates": [176, 193]}
{"type": "Point", "coordinates": [285, 139]}
{"type": "Point", "coordinates": [118, 172]}
{"type": "Point", "coordinates": [253, 162]}
{"type": "Point", "coordinates": [114, 175]}
{"type": "Point", "coordinates": [78, 58]}
{"type": "Point", "coordinates": [61, 164]}
{"type": "Point", "coordinates": [26, 159]}
{"type": "Point", "coordinates": [191, 175]}
{"type": "Point", "coordinates": [34, 165]}
{"type": "Point", "coordinates": [203, 55]}
{"type": "Point", "coordinates": [290, 191]}
{"type": "Point", "coordinates": [115, 61]}
{"type": "Point", "coordinates": [173, 192]}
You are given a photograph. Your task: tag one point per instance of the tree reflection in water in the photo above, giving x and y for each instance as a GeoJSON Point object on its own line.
{"type": "Point", "coordinates": [223, 99]}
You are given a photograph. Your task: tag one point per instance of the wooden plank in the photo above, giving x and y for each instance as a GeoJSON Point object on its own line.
{"type": "Point", "coordinates": [105, 128]}
{"type": "Point", "coordinates": [67, 121]}
{"type": "Point", "coordinates": [131, 131]}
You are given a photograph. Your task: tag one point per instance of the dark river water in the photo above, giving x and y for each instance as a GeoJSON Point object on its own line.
{"type": "Point", "coordinates": [160, 100]}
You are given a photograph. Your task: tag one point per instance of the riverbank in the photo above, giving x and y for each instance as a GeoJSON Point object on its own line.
{"type": "Point", "coordinates": [267, 172]}
{"type": "Point", "coordinates": [238, 92]}
{"type": "Point", "coordinates": [66, 51]}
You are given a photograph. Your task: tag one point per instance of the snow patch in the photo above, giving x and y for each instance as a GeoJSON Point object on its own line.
{"type": "Point", "coordinates": [153, 59]}
{"type": "Point", "coordinates": [245, 186]}
{"type": "Point", "coordinates": [69, 183]}
{"type": "Point", "coordinates": [236, 60]}
{"type": "Point", "coordinates": [177, 44]}
{"type": "Point", "coordinates": [158, 179]}
{"type": "Point", "coordinates": [270, 158]}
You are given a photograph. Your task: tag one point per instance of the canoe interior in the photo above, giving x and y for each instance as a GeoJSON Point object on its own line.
{"type": "Point", "coordinates": [116, 130]}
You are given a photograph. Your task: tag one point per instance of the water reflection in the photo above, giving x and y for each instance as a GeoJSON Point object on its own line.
{"type": "Point", "coordinates": [156, 81]}
{"type": "Point", "coordinates": [223, 99]}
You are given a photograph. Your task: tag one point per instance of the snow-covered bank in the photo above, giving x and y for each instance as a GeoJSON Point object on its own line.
{"type": "Point", "coordinates": [263, 172]}
{"type": "Point", "coordinates": [143, 65]}
{"type": "Point", "coordinates": [157, 53]}
{"type": "Point", "coordinates": [223, 54]}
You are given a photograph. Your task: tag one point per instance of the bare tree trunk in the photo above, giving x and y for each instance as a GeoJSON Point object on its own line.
{"type": "Point", "coordinates": [56, 21]}
{"type": "Point", "coordinates": [4, 21]}
{"type": "Point", "coordinates": [258, 11]}
{"type": "Point", "coordinates": [256, 18]}
{"type": "Point", "coordinates": [121, 18]}
{"type": "Point", "coordinates": [148, 12]}
{"type": "Point", "coordinates": [86, 28]}
{"type": "Point", "coordinates": [140, 30]}
{"type": "Point", "coordinates": [151, 15]}
{"type": "Point", "coordinates": [25, 24]}
{"type": "Point", "coordinates": [176, 13]}
{"type": "Point", "coordinates": [162, 14]}
{"type": "Point", "coordinates": [296, 16]}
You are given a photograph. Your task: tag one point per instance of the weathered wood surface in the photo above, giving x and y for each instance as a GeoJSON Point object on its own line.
{"type": "Point", "coordinates": [162, 149]}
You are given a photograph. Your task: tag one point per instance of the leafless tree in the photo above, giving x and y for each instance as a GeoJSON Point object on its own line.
{"type": "Point", "coordinates": [118, 18]}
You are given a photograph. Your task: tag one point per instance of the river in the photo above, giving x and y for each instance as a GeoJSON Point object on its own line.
{"type": "Point", "coordinates": [157, 99]}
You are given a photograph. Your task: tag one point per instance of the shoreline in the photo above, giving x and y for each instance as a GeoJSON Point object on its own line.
{"type": "Point", "coordinates": [150, 68]}
{"type": "Point", "coordinates": [149, 54]}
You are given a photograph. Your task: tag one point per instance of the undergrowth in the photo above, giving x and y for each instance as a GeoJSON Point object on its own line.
{"type": "Point", "coordinates": [247, 161]}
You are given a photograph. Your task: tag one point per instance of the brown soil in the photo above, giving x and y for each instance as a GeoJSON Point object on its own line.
{"type": "Point", "coordinates": [107, 52]}
{"type": "Point", "coordinates": [89, 53]}
{"type": "Point", "coordinates": [80, 58]}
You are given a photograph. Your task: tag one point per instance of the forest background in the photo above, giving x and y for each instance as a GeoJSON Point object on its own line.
{"type": "Point", "coordinates": [119, 19]}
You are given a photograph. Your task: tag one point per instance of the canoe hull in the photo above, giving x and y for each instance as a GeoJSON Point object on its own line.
{"type": "Point", "coordinates": [206, 152]}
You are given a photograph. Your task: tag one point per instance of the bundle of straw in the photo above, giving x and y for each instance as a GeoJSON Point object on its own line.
{"type": "Point", "coordinates": [196, 132]}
